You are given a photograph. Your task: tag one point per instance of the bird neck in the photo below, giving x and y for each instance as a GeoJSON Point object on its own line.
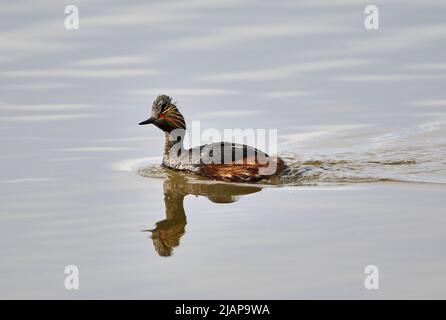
{"type": "Point", "coordinates": [173, 142]}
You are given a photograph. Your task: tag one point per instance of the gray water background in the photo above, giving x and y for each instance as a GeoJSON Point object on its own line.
{"type": "Point", "coordinates": [358, 101]}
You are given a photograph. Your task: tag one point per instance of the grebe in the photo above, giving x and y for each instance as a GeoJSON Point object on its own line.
{"type": "Point", "coordinates": [224, 161]}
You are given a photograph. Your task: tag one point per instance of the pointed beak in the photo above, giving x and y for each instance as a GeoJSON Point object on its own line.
{"type": "Point", "coordinates": [148, 121]}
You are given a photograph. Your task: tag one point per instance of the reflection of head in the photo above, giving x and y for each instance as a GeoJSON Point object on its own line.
{"type": "Point", "coordinates": [167, 233]}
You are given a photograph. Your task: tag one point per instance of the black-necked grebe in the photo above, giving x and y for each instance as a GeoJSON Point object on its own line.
{"type": "Point", "coordinates": [219, 161]}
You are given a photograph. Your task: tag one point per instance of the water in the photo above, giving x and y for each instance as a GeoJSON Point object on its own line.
{"type": "Point", "coordinates": [361, 123]}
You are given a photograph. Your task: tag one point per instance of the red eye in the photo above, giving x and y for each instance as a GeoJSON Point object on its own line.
{"type": "Point", "coordinates": [161, 116]}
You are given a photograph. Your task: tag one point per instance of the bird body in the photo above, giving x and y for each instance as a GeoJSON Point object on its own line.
{"type": "Point", "coordinates": [219, 161]}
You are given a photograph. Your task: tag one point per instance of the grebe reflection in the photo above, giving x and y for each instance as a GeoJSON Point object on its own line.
{"type": "Point", "coordinates": [167, 233]}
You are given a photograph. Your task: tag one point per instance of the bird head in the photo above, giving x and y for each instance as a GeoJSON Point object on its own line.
{"type": "Point", "coordinates": [165, 115]}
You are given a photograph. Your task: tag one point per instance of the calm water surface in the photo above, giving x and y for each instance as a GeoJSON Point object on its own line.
{"type": "Point", "coordinates": [360, 117]}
